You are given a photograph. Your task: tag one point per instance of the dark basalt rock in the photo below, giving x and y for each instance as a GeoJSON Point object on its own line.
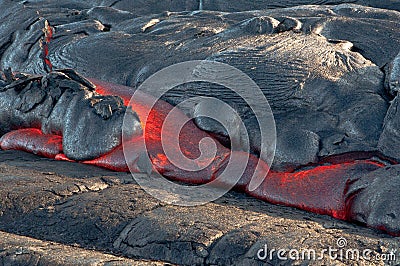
{"type": "Point", "coordinates": [389, 140]}
{"type": "Point", "coordinates": [373, 199]}
{"type": "Point", "coordinates": [319, 66]}
{"type": "Point", "coordinates": [146, 7]}
{"type": "Point", "coordinates": [89, 123]}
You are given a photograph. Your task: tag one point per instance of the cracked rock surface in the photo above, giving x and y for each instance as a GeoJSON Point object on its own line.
{"type": "Point", "coordinates": [21, 250]}
{"type": "Point", "coordinates": [82, 206]}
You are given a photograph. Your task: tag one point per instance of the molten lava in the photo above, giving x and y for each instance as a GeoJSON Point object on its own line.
{"type": "Point", "coordinates": [321, 189]}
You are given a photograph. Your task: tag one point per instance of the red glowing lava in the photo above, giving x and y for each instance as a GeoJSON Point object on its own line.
{"type": "Point", "coordinates": [321, 189]}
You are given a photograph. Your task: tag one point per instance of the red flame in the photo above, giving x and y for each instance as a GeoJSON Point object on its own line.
{"type": "Point", "coordinates": [44, 44]}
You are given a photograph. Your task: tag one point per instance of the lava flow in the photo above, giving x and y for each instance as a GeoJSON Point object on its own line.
{"type": "Point", "coordinates": [322, 189]}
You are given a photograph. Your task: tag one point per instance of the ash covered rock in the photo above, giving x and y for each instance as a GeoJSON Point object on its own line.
{"type": "Point", "coordinates": [64, 103]}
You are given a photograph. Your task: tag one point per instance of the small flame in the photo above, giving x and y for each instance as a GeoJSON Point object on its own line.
{"type": "Point", "coordinates": [44, 45]}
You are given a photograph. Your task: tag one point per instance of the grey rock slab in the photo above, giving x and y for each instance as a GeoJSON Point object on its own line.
{"type": "Point", "coordinates": [22, 250]}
